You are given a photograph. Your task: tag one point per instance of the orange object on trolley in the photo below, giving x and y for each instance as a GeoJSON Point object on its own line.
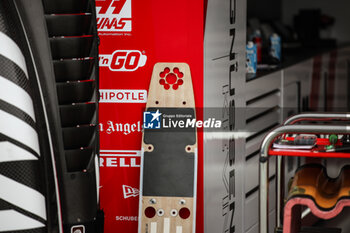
{"type": "Point", "coordinates": [312, 188]}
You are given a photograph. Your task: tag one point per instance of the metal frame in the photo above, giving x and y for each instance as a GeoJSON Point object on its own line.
{"type": "Point", "coordinates": [280, 159]}
{"type": "Point", "coordinates": [320, 129]}
{"type": "Point", "coordinates": [317, 117]}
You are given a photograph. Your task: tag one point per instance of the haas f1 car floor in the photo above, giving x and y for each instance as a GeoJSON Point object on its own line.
{"type": "Point", "coordinates": [169, 161]}
{"type": "Point", "coordinates": [312, 188]}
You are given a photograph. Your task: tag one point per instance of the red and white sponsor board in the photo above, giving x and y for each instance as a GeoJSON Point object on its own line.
{"type": "Point", "coordinates": [135, 35]}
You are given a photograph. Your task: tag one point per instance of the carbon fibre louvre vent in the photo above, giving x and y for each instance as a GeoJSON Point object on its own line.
{"type": "Point", "coordinates": [73, 39]}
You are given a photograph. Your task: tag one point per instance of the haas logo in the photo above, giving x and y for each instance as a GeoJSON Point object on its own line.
{"type": "Point", "coordinates": [113, 15]}
{"type": "Point", "coordinates": [123, 60]}
{"type": "Point", "coordinates": [130, 191]}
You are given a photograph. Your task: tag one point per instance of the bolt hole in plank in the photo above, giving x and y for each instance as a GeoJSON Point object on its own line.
{"type": "Point", "coordinates": [160, 212]}
{"type": "Point", "coordinates": [153, 201]}
{"type": "Point", "coordinates": [184, 213]}
{"type": "Point", "coordinates": [171, 78]}
{"type": "Point", "coordinates": [177, 72]}
{"type": "Point", "coordinates": [164, 72]}
{"type": "Point", "coordinates": [150, 212]}
{"type": "Point", "coordinates": [173, 213]}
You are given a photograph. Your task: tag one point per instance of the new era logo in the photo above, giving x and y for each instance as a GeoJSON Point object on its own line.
{"type": "Point", "coordinates": [151, 120]}
{"type": "Point", "coordinates": [130, 191]}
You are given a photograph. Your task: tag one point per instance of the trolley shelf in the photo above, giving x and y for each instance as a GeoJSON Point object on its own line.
{"type": "Point", "coordinates": [317, 151]}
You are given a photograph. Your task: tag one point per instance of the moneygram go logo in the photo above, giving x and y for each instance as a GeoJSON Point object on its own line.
{"type": "Point", "coordinates": [123, 60]}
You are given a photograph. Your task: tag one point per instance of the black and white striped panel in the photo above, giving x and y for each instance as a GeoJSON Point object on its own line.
{"type": "Point", "coordinates": [22, 202]}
